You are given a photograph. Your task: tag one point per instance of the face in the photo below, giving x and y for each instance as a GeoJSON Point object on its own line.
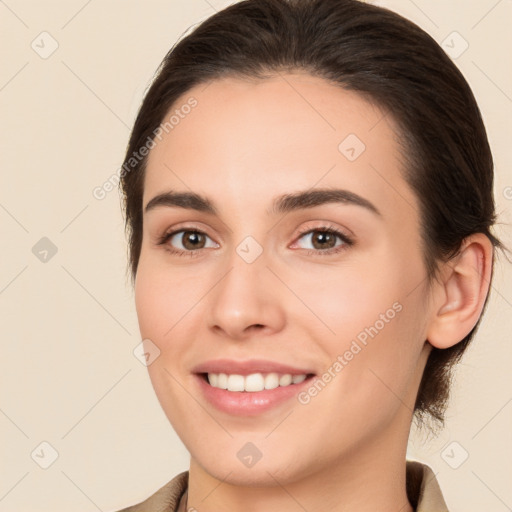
{"type": "Point", "coordinates": [329, 284]}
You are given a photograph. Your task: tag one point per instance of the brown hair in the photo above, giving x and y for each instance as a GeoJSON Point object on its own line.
{"type": "Point", "coordinates": [389, 61]}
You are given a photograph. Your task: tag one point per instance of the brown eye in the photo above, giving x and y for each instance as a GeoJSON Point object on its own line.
{"type": "Point", "coordinates": [186, 241]}
{"type": "Point", "coordinates": [323, 240]}
{"type": "Point", "coordinates": [193, 240]}
{"type": "Point", "coordinates": [190, 240]}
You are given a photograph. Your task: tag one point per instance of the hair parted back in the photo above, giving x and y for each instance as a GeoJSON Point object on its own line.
{"type": "Point", "coordinates": [388, 60]}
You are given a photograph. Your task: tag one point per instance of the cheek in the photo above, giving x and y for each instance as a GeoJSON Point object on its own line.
{"type": "Point", "coordinates": [163, 296]}
{"type": "Point", "coordinates": [380, 359]}
{"type": "Point", "coordinates": [348, 299]}
{"type": "Point", "coordinates": [373, 322]}
{"type": "Point", "coordinates": [149, 298]}
{"type": "Point", "coordinates": [162, 299]}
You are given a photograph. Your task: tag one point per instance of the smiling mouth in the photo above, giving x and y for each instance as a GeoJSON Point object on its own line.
{"type": "Point", "coordinates": [254, 382]}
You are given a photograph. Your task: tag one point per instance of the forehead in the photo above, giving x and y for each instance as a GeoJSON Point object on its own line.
{"type": "Point", "coordinates": [261, 138]}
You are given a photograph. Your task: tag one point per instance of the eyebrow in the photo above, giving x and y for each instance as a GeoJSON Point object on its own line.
{"type": "Point", "coordinates": [281, 204]}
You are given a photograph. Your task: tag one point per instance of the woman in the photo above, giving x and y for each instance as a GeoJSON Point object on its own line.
{"type": "Point", "coordinates": [308, 195]}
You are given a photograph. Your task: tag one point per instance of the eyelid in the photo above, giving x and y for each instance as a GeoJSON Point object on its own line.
{"type": "Point", "coordinates": [185, 226]}
{"type": "Point", "coordinates": [325, 226]}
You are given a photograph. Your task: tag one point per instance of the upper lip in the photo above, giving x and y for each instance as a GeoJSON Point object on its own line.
{"type": "Point", "coordinates": [247, 367]}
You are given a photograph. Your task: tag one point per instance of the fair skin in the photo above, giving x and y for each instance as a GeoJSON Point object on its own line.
{"type": "Point", "coordinates": [246, 143]}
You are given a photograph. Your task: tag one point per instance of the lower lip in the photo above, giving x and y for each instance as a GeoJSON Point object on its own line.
{"type": "Point", "coordinates": [245, 403]}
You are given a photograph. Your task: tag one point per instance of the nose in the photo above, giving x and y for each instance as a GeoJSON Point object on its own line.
{"type": "Point", "coordinates": [246, 301]}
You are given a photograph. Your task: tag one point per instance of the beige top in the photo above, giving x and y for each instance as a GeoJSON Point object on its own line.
{"type": "Point", "coordinates": [424, 492]}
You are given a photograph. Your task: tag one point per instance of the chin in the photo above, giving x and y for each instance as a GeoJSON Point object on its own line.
{"type": "Point", "coordinates": [266, 472]}
{"type": "Point", "coordinates": [260, 475]}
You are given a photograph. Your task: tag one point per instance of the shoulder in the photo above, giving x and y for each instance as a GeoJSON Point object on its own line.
{"type": "Point", "coordinates": [165, 499]}
{"type": "Point", "coordinates": [423, 488]}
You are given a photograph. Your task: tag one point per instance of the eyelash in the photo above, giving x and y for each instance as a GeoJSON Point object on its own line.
{"type": "Point", "coordinates": [347, 241]}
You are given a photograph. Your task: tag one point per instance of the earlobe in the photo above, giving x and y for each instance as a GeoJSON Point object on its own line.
{"type": "Point", "coordinates": [461, 294]}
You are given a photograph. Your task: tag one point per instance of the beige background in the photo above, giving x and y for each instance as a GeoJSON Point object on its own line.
{"type": "Point", "coordinates": [69, 376]}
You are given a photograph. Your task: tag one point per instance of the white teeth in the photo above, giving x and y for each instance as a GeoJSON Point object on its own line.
{"type": "Point", "coordinates": [297, 379]}
{"type": "Point", "coordinates": [253, 382]}
{"type": "Point", "coordinates": [271, 381]}
{"type": "Point", "coordinates": [213, 379]}
{"type": "Point", "coordinates": [222, 381]}
{"type": "Point", "coordinates": [235, 383]}
{"type": "Point", "coordinates": [285, 380]}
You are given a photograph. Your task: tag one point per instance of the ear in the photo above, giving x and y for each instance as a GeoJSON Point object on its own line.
{"type": "Point", "coordinates": [460, 296]}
